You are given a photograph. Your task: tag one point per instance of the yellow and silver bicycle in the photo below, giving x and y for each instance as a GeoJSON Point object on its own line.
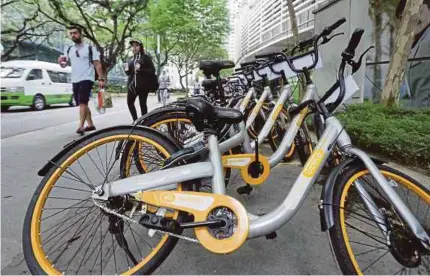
{"type": "Point", "coordinates": [117, 222]}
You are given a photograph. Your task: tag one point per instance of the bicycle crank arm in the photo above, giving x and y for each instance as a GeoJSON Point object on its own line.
{"type": "Point", "coordinates": [202, 206]}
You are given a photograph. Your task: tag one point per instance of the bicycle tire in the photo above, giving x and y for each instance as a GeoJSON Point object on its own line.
{"type": "Point", "coordinates": [339, 238]}
{"type": "Point", "coordinates": [34, 256]}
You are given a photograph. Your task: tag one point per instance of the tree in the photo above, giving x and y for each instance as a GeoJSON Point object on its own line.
{"type": "Point", "coordinates": [378, 10]}
{"type": "Point", "coordinates": [166, 18]}
{"type": "Point", "coordinates": [404, 40]}
{"type": "Point", "coordinates": [293, 21]}
{"type": "Point", "coordinates": [204, 25]}
{"type": "Point", "coordinates": [295, 30]}
{"type": "Point", "coordinates": [22, 23]}
{"type": "Point", "coordinates": [107, 24]}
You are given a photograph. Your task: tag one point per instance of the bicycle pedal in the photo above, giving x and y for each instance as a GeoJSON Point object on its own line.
{"type": "Point", "coordinates": [271, 236]}
{"type": "Point", "coordinates": [244, 190]}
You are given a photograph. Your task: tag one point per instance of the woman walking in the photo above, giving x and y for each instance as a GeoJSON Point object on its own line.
{"type": "Point", "coordinates": [140, 71]}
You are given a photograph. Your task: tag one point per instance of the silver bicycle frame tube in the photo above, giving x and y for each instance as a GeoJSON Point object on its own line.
{"type": "Point", "coordinates": [286, 93]}
{"type": "Point", "coordinates": [285, 211]}
{"type": "Point", "coordinates": [246, 100]}
{"type": "Point", "coordinates": [162, 178]}
{"type": "Point", "coordinates": [218, 184]}
{"type": "Point", "coordinates": [256, 109]}
{"type": "Point", "coordinates": [371, 206]}
{"type": "Point", "coordinates": [157, 179]}
{"type": "Point", "coordinates": [235, 140]}
{"type": "Point", "coordinates": [288, 138]}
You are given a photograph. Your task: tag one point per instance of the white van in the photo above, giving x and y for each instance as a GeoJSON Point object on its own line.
{"type": "Point", "coordinates": [35, 83]}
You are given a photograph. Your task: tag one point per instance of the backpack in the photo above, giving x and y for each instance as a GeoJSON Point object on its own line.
{"type": "Point", "coordinates": [154, 85]}
{"type": "Point", "coordinates": [90, 58]}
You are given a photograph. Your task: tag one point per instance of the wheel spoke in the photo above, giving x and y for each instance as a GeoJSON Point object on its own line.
{"type": "Point", "coordinates": [97, 167]}
{"type": "Point", "coordinates": [65, 209]}
{"type": "Point", "coordinates": [73, 174]}
{"type": "Point", "coordinates": [74, 189]}
{"type": "Point", "coordinates": [67, 219]}
{"type": "Point", "coordinates": [369, 251]}
{"type": "Point", "coordinates": [367, 234]}
{"type": "Point", "coordinates": [380, 257]}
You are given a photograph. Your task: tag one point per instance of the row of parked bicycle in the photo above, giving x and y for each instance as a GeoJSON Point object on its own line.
{"type": "Point", "coordinates": [169, 171]}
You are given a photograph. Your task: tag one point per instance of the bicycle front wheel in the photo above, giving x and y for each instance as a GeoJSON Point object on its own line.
{"type": "Point", "coordinates": [65, 232]}
{"type": "Point", "coordinates": [382, 243]}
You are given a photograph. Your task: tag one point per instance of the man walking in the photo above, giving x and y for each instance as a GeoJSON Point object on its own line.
{"type": "Point", "coordinates": [83, 59]}
{"type": "Point", "coordinates": [163, 90]}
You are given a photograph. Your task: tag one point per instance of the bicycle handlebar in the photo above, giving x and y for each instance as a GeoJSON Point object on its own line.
{"type": "Point", "coordinates": [347, 56]}
{"type": "Point", "coordinates": [353, 43]}
{"type": "Point", "coordinates": [268, 55]}
{"type": "Point", "coordinates": [328, 30]}
{"type": "Point", "coordinates": [245, 64]}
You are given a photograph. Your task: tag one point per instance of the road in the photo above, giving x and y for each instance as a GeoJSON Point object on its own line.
{"type": "Point", "coordinates": [30, 138]}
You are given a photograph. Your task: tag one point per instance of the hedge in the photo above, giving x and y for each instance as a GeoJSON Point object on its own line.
{"type": "Point", "coordinates": [401, 135]}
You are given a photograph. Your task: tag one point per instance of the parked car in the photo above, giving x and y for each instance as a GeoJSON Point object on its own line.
{"type": "Point", "coordinates": [37, 84]}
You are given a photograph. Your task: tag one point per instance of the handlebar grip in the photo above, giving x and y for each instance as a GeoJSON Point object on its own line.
{"type": "Point", "coordinates": [238, 70]}
{"type": "Point", "coordinates": [307, 43]}
{"type": "Point", "coordinates": [337, 24]}
{"type": "Point", "coordinates": [328, 30]}
{"type": "Point", "coordinates": [353, 42]}
{"type": "Point", "coordinates": [266, 55]}
{"type": "Point", "coordinates": [247, 63]}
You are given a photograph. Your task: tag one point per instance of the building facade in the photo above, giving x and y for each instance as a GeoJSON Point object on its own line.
{"type": "Point", "coordinates": [261, 26]}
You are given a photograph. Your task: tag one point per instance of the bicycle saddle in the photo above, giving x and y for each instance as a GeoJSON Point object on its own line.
{"type": "Point", "coordinates": [213, 67]}
{"type": "Point", "coordinates": [204, 115]}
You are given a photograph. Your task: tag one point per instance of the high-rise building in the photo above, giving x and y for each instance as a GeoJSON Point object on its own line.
{"type": "Point", "coordinates": [230, 43]}
{"type": "Point", "coordinates": [264, 25]}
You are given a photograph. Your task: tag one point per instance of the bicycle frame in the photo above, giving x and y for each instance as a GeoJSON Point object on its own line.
{"type": "Point", "coordinates": [288, 138]}
{"type": "Point", "coordinates": [266, 224]}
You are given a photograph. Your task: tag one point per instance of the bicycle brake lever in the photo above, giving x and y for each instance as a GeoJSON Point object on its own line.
{"type": "Point", "coordinates": [327, 39]}
{"type": "Point", "coordinates": [356, 65]}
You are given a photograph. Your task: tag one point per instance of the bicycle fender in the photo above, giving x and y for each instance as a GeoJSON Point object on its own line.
{"type": "Point", "coordinates": [158, 111]}
{"type": "Point", "coordinates": [45, 169]}
{"type": "Point", "coordinates": [325, 205]}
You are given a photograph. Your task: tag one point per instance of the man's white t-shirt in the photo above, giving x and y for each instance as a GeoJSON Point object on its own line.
{"type": "Point", "coordinates": [80, 62]}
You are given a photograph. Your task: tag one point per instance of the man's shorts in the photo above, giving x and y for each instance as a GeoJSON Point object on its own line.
{"type": "Point", "coordinates": [82, 91]}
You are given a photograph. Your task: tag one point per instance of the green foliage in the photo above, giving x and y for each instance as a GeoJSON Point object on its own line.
{"type": "Point", "coordinates": [21, 22]}
{"type": "Point", "coordinates": [197, 30]}
{"type": "Point", "coordinates": [402, 135]}
{"type": "Point", "coordinates": [107, 24]}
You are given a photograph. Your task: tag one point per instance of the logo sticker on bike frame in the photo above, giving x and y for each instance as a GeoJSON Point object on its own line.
{"type": "Point", "coordinates": [276, 112]}
{"type": "Point", "coordinates": [302, 116]}
{"type": "Point", "coordinates": [313, 163]}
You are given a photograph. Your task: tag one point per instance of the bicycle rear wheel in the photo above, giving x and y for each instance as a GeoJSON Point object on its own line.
{"type": "Point", "coordinates": [178, 126]}
{"type": "Point", "coordinates": [359, 243]}
{"type": "Point", "coordinates": [65, 232]}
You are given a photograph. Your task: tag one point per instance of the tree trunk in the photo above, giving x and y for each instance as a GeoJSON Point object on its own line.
{"type": "Point", "coordinates": [404, 40]}
{"type": "Point", "coordinates": [186, 75]}
{"type": "Point", "coordinates": [293, 21]}
{"type": "Point", "coordinates": [295, 30]}
{"type": "Point", "coordinates": [377, 33]}
{"type": "Point", "coordinates": [392, 34]}
{"type": "Point", "coordinates": [182, 84]}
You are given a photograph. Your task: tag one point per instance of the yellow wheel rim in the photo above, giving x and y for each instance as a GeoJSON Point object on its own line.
{"type": "Point", "coordinates": [422, 194]}
{"type": "Point", "coordinates": [36, 242]}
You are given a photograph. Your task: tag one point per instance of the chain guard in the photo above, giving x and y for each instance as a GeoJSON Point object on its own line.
{"type": "Point", "coordinates": [201, 205]}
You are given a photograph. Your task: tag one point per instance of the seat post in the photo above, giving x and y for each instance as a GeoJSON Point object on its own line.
{"type": "Point", "coordinates": [220, 88]}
